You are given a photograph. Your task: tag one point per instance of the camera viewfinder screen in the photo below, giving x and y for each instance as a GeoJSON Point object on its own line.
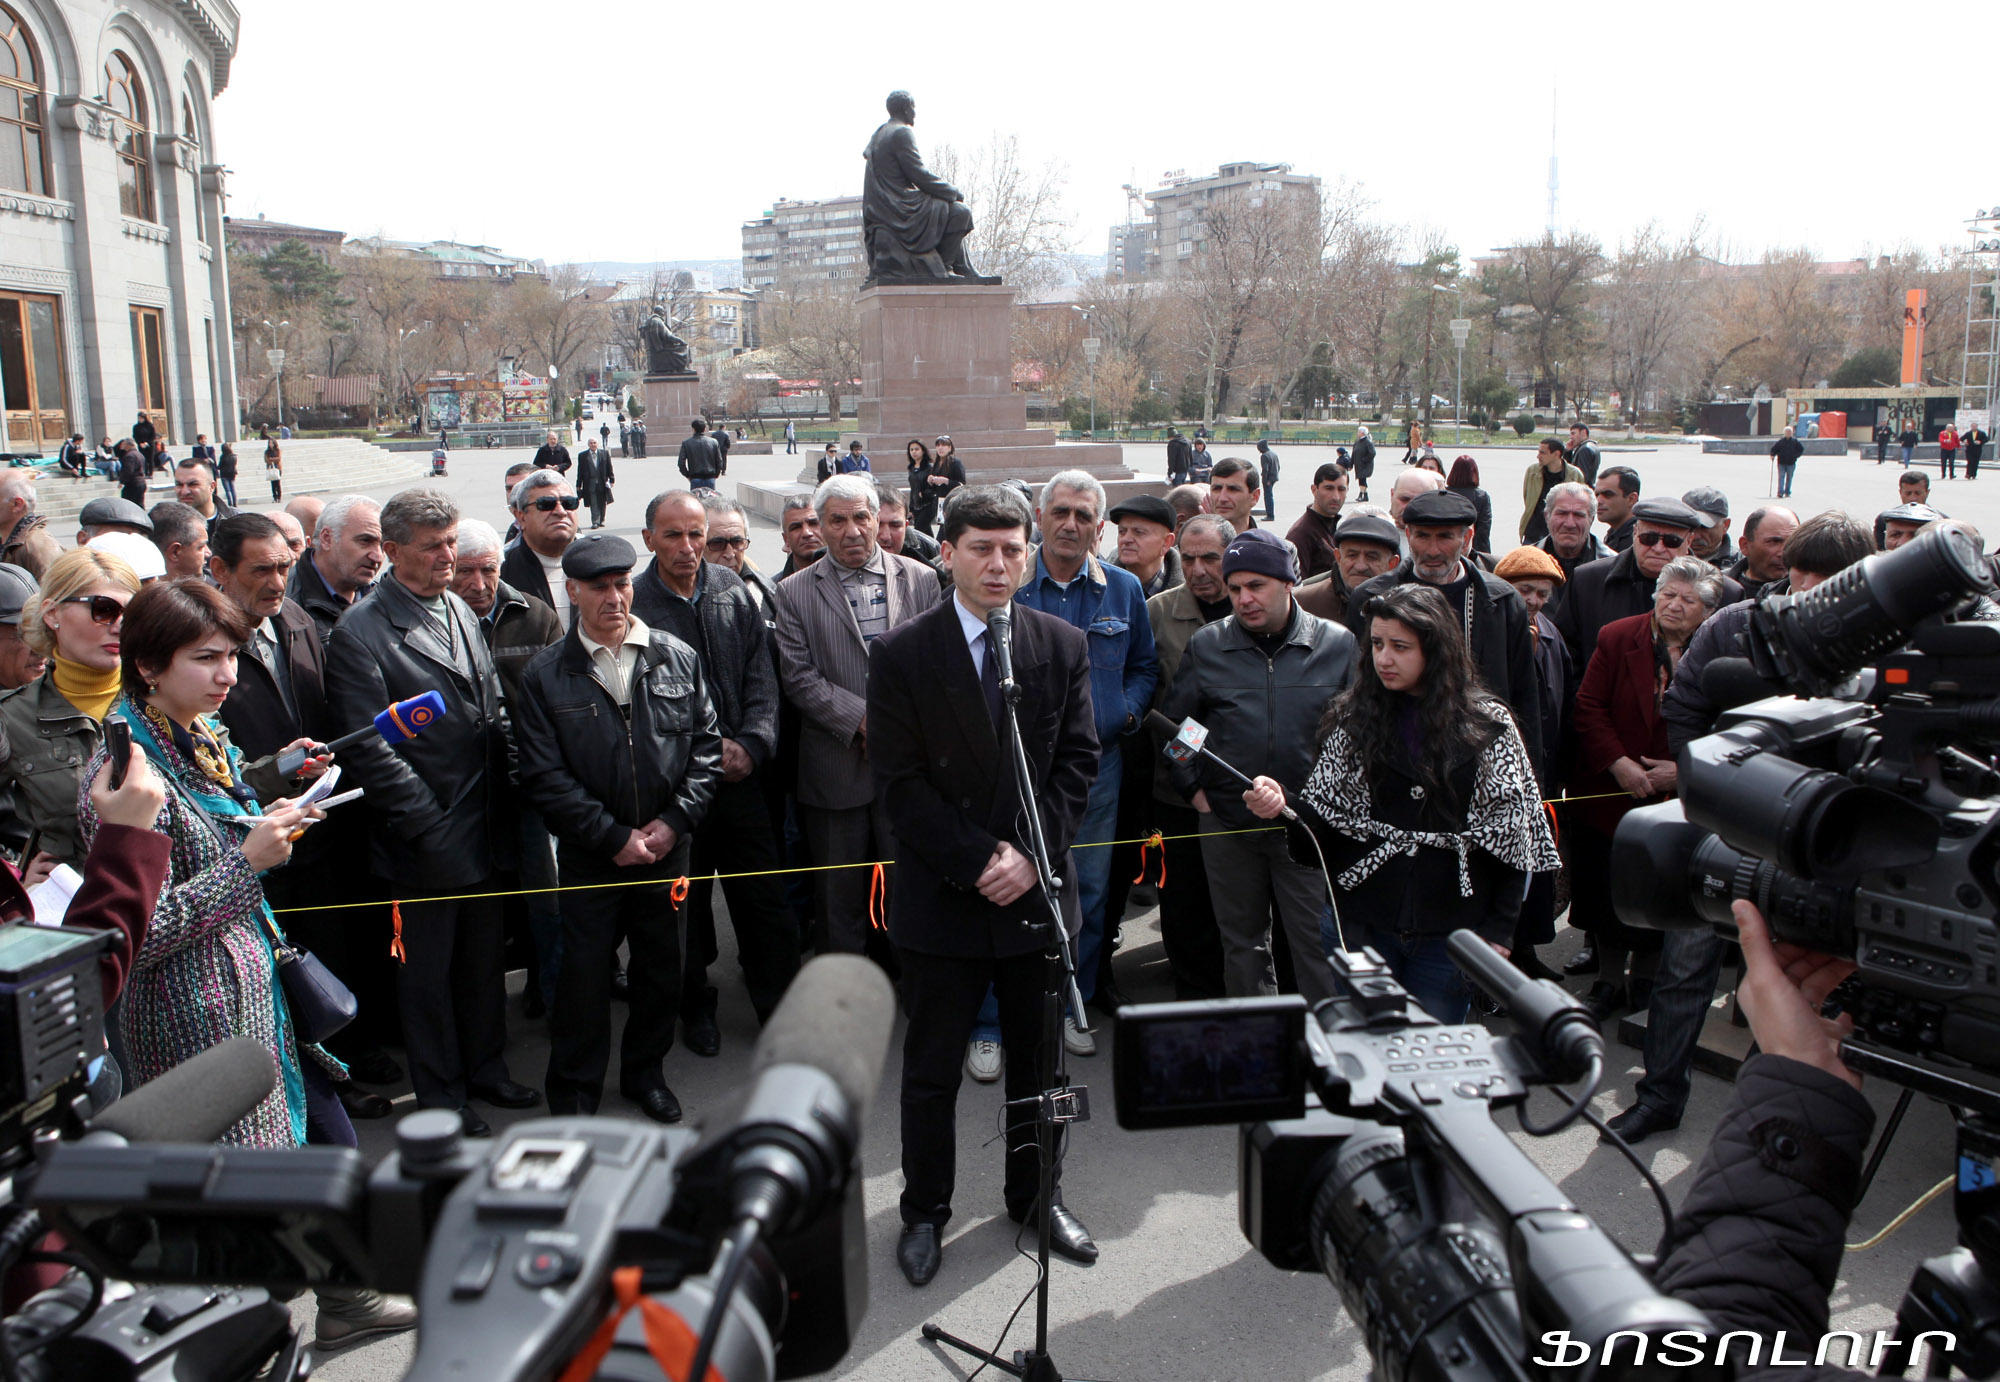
{"type": "Point", "coordinates": [1210, 1069]}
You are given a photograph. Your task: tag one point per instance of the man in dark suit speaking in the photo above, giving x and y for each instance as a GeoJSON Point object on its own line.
{"type": "Point", "coordinates": [966, 894]}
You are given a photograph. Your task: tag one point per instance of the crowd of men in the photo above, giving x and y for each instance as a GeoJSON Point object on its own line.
{"type": "Point", "coordinates": [631, 723]}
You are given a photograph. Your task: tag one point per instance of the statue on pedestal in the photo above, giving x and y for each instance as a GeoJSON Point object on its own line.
{"type": "Point", "coordinates": [913, 222]}
{"type": "Point", "coordinates": [666, 353]}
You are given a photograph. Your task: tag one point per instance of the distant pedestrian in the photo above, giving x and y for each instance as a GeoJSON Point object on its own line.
{"type": "Point", "coordinates": [1179, 458]}
{"type": "Point", "coordinates": [1908, 439]}
{"type": "Point", "coordinates": [1948, 451]}
{"type": "Point", "coordinates": [1975, 438]}
{"type": "Point", "coordinates": [1201, 465]}
{"type": "Point", "coordinates": [604, 433]}
{"type": "Point", "coordinates": [701, 459]}
{"type": "Point", "coordinates": [856, 460]}
{"type": "Point", "coordinates": [829, 464]}
{"type": "Point", "coordinates": [791, 438]}
{"type": "Point", "coordinates": [144, 435]}
{"type": "Point", "coordinates": [639, 440]}
{"type": "Point", "coordinates": [274, 469]}
{"type": "Point", "coordinates": [594, 478]}
{"type": "Point", "coordinates": [1364, 461]}
{"type": "Point", "coordinates": [722, 440]}
{"type": "Point", "coordinates": [225, 473]}
{"type": "Point", "coordinates": [624, 438]}
{"type": "Point", "coordinates": [1583, 453]}
{"type": "Point", "coordinates": [1267, 463]}
{"type": "Point", "coordinates": [1786, 451]}
{"type": "Point", "coordinates": [1884, 434]}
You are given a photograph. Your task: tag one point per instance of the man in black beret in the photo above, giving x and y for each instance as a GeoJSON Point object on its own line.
{"type": "Point", "coordinates": [620, 752]}
{"type": "Point", "coordinates": [1146, 526]}
{"type": "Point", "coordinates": [1621, 586]}
{"type": "Point", "coordinates": [1437, 524]}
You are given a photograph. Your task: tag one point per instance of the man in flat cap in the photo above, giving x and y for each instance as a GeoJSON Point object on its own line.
{"type": "Point", "coordinates": [1710, 541]}
{"type": "Point", "coordinates": [1145, 524]}
{"type": "Point", "coordinates": [1622, 586]}
{"type": "Point", "coordinates": [1437, 524]}
{"type": "Point", "coordinates": [109, 515]}
{"type": "Point", "coordinates": [1260, 680]}
{"type": "Point", "coordinates": [1896, 526]}
{"type": "Point", "coordinates": [620, 752]}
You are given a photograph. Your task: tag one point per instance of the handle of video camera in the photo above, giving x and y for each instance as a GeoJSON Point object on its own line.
{"type": "Point", "coordinates": [1557, 1029]}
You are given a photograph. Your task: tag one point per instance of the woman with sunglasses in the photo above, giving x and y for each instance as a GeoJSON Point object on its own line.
{"type": "Point", "coordinates": [1624, 760]}
{"type": "Point", "coordinates": [51, 725]}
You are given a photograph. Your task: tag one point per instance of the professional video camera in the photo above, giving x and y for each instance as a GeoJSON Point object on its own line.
{"type": "Point", "coordinates": [1864, 822]}
{"type": "Point", "coordinates": [571, 1246]}
{"type": "Point", "coordinates": [1447, 1244]}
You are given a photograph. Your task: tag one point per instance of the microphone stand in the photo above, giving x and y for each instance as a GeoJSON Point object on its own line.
{"type": "Point", "coordinates": [1057, 1103]}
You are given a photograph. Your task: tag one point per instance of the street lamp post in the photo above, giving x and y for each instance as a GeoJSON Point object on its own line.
{"type": "Point", "coordinates": [1461, 327]}
{"type": "Point", "coordinates": [1091, 345]}
{"type": "Point", "coordinates": [277, 359]}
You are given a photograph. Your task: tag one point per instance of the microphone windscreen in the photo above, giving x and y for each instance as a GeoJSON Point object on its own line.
{"type": "Point", "coordinates": [408, 719]}
{"type": "Point", "coordinates": [198, 1100]}
{"type": "Point", "coordinates": [836, 1017]}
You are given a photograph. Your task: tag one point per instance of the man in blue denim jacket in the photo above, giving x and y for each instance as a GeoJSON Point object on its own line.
{"type": "Point", "coordinates": [1109, 605]}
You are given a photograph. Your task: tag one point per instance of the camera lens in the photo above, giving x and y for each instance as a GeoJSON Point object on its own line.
{"type": "Point", "coordinates": [1670, 875]}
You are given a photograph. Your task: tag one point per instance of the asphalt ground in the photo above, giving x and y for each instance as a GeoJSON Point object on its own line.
{"type": "Point", "coordinates": [1178, 1292]}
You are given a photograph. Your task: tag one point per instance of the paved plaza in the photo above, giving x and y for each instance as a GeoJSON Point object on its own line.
{"type": "Point", "coordinates": [1178, 1293]}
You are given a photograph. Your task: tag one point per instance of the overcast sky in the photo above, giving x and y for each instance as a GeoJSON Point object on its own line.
{"type": "Point", "coordinates": [654, 130]}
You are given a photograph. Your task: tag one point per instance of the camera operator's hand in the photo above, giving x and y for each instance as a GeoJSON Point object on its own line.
{"type": "Point", "coordinates": [1265, 800]}
{"type": "Point", "coordinates": [1783, 987]}
{"type": "Point", "coordinates": [136, 802]}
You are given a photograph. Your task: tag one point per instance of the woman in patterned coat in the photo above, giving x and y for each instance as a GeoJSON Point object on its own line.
{"type": "Point", "coordinates": [206, 970]}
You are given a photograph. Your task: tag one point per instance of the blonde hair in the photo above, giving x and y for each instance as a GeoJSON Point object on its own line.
{"type": "Point", "coordinates": [69, 575]}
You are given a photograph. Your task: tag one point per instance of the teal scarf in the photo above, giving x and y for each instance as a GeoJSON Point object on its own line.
{"type": "Point", "coordinates": [222, 806]}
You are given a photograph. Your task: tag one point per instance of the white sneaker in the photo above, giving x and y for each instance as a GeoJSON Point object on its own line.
{"type": "Point", "coordinates": [983, 1060]}
{"type": "Point", "coordinates": [1076, 1041]}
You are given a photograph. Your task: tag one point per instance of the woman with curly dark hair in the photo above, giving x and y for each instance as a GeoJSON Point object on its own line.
{"type": "Point", "coordinates": [1423, 801]}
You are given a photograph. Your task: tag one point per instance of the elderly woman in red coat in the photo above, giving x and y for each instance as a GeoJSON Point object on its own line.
{"type": "Point", "coordinates": [1622, 748]}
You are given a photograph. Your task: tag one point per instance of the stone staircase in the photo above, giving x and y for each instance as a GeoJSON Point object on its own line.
{"type": "Point", "coordinates": [319, 465]}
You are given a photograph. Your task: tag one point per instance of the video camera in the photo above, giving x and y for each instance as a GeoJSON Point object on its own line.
{"type": "Point", "coordinates": [1368, 1151]}
{"type": "Point", "coordinates": [1864, 822]}
{"type": "Point", "coordinates": [614, 1247]}
{"type": "Point", "coordinates": [52, 1017]}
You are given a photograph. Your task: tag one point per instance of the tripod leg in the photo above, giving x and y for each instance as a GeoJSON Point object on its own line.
{"type": "Point", "coordinates": [991, 1360]}
{"type": "Point", "coordinates": [1882, 1145]}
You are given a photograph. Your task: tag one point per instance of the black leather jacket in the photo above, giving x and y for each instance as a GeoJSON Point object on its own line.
{"type": "Point", "coordinates": [1262, 713]}
{"type": "Point", "coordinates": [597, 773]}
{"type": "Point", "coordinates": [440, 806]}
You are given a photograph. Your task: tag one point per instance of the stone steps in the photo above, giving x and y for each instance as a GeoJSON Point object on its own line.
{"type": "Point", "coordinates": [316, 465]}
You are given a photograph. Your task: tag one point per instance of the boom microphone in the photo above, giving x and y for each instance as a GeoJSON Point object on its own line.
{"type": "Point", "coordinates": [402, 721]}
{"type": "Point", "coordinates": [1557, 1029]}
{"type": "Point", "coordinates": [198, 1100]}
{"type": "Point", "coordinates": [1189, 740]}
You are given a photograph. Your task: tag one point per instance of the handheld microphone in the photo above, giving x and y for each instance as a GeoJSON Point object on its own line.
{"type": "Point", "coordinates": [402, 721]}
{"type": "Point", "coordinates": [198, 1100]}
{"type": "Point", "coordinates": [1000, 644]}
{"type": "Point", "coordinates": [1554, 1025]}
{"type": "Point", "coordinates": [1188, 741]}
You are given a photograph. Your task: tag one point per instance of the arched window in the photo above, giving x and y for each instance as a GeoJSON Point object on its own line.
{"type": "Point", "coordinates": [127, 98]}
{"type": "Point", "coordinates": [192, 132]}
{"type": "Point", "coordinates": [22, 166]}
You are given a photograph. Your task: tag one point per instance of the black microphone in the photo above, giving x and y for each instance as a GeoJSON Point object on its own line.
{"type": "Point", "coordinates": [791, 1139]}
{"type": "Point", "coordinates": [1000, 644]}
{"type": "Point", "coordinates": [1554, 1025]}
{"type": "Point", "coordinates": [1189, 740]}
{"type": "Point", "coordinates": [198, 1100]}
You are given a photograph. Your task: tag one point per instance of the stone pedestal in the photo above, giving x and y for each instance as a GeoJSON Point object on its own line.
{"type": "Point", "coordinates": [937, 360]}
{"type": "Point", "coordinates": [672, 402]}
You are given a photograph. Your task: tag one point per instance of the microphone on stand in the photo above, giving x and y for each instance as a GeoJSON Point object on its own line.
{"type": "Point", "coordinates": [1000, 643]}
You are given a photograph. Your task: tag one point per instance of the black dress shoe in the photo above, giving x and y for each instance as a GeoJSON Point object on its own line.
{"type": "Point", "coordinates": [363, 1103]}
{"type": "Point", "coordinates": [1067, 1235]}
{"type": "Point", "coordinates": [621, 987]}
{"type": "Point", "coordinates": [474, 1125]}
{"type": "Point", "coordinates": [704, 1038]}
{"type": "Point", "coordinates": [1583, 962]}
{"type": "Point", "coordinates": [507, 1094]}
{"type": "Point", "coordinates": [919, 1252]}
{"type": "Point", "coordinates": [1605, 1000]}
{"type": "Point", "coordinates": [375, 1066]}
{"type": "Point", "coordinates": [1640, 1122]}
{"type": "Point", "coordinates": [660, 1105]}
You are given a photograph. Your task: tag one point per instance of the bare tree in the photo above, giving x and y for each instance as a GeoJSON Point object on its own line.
{"type": "Point", "coordinates": [1801, 327]}
{"type": "Point", "coordinates": [1651, 301]}
{"type": "Point", "coordinates": [813, 331]}
{"type": "Point", "coordinates": [1549, 283]}
{"type": "Point", "coordinates": [561, 322]}
{"type": "Point", "coordinates": [1227, 283]}
{"type": "Point", "coordinates": [1323, 246]}
{"type": "Point", "coordinates": [1020, 230]}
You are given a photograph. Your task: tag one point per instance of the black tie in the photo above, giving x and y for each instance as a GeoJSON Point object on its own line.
{"type": "Point", "coordinates": [989, 680]}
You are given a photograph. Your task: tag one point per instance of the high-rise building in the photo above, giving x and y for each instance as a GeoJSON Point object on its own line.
{"type": "Point", "coordinates": [805, 240]}
{"type": "Point", "coordinates": [1133, 252]}
{"type": "Point", "coordinates": [114, 281]}
{"type": "Point", "coordinates": [1180, 209]}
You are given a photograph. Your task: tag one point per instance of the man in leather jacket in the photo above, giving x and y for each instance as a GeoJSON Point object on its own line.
{"type": "Point", "coordinates": [621, 754]}
{"type": "Point", "coordinates": [441, 820]}
{"type": "Point", "coordinates": [1260, 680]}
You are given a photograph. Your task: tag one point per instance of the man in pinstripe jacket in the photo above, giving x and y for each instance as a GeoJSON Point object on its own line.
{"type": "Point", "coordinates": [828, 614]}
